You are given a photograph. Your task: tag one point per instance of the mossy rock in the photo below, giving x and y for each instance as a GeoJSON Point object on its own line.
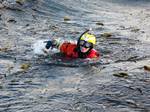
{"type": "Point", "coordinates": [5, 49]}
{"type": "Point", "coordinates": [106, 34]}
{"type": "Point", "coordinates": [121, 74]}
{"type": "Point", "coordinates": [25, 66]}
{"type": "Point", "coordinates": [66, 18]}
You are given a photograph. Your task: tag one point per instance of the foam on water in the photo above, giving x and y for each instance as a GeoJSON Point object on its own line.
{"type": "Point", "coordinates": [39, 45]}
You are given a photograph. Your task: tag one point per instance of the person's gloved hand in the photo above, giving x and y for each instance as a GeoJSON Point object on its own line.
{"type": "Point", "coordinates": [52, 44]}
{"type": "Point", "coordinates": [48, 44]}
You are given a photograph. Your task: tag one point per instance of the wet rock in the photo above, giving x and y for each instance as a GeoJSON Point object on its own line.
{"type": "Point", "coordinates": [66, 18]}
{"type": "Point", "coordinates": [121, 74]}
{"type": "Point", "coordinates": [100, 23]}
{"type": "Point", "coordinates": [28, 82]}
{"type": "Point", "coordinates": [11, 20]}
{"type": "Point", "coordinates": [135, 30]}
{"type": "Point", "coordinates": [25, 66]}
{"type": "Point", "coordinates": [106, 34]}
{"type": "Point", "coordinates": [132, 103]}
{"type": "Point", "coordinates": [147, 67]}
{"type": "Point", "coordinates": [5, 49]}
{"type": "Point", "coordinates": [14, 80]}
{"type": "Point", "coordinates": [133, 58]}
{"type": "Point", "coordinates": [20, 2]}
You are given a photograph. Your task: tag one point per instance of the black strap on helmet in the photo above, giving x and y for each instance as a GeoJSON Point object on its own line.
{"type": "Point", "coordinates": [82, 55]}
{"type": "Point", "coordinates": [82, 35]}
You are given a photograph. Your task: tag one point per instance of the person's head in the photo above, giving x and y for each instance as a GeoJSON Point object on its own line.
{"type": "Point", "coordinates": [86, 42]}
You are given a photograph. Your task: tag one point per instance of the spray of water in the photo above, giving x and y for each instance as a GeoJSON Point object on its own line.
{"type": "Point", "coordinates": [39, 45]}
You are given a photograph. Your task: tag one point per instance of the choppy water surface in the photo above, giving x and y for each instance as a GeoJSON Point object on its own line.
{"type": "Point", "coordinates": [28, 85]}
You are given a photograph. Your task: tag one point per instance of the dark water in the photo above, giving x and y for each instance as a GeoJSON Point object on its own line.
{"type": "Point", "coordinates": [51, 88]}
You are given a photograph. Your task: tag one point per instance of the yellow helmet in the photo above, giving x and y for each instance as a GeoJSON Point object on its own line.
{"type": "Point", "coordinates": [89, 38]}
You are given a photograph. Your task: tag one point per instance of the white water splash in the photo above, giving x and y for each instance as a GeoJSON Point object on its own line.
{"type": "Point", "coordinates": [39, 45]}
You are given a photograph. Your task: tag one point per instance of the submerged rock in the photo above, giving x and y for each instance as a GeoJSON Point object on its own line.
{"type": "Point", "coordinates": [21, 2]}
{"type": "Point", "coordinates": [106, 34]}
{"type": "Point", "coordinates": [66, 18]}
{"type": "Point", "coordinates": [11, 20]}
{"type": "Point", "coordinates": [135, 30]}
{"type": "Point", "coordinates": [5, 49]}
{"type": "Point", "coordinates": [25, 66]}
{"type": "Point", "coordinates": [121, 74]}
{"type": "Point", "coordinates": [100, 23]}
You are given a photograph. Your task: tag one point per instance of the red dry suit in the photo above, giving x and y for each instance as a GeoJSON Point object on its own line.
{"type": "Point", "coordinates": [69, 49]}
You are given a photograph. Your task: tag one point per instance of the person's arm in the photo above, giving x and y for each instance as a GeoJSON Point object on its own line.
{"type": "Point", "coordinates": [51, 44]}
